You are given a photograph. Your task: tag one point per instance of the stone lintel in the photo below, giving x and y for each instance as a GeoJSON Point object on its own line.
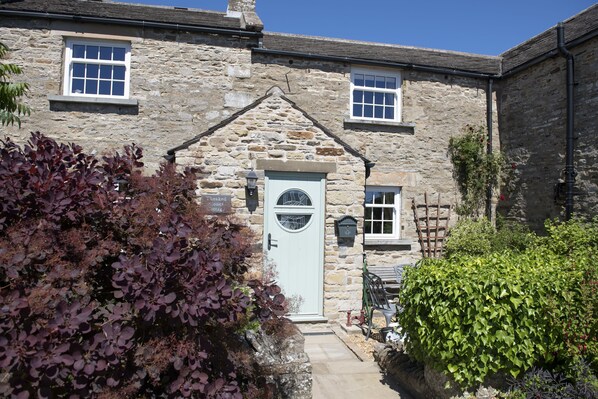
{"type": "Point", "coordinates": [296, 166]}
{"type": "Point", "coordinates": [398, 179]}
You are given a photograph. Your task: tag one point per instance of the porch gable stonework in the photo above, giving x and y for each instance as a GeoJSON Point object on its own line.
{"type": "Point", "coordinates": [273, 134]}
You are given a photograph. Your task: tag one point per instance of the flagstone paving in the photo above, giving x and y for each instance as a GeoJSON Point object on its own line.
{"type": "Point", "coordinates": [339, 373]}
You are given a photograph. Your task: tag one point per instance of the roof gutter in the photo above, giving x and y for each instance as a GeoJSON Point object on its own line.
{"type": "Point", "coordinates": [549, 54]}
{"type": "Point", "coordinates": [414, 67]}
{"type": "Point", "coordinates": [129, 22]}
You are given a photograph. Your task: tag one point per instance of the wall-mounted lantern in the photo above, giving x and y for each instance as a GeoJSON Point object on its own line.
{"type": "Point", "coordinates": [251, 197]}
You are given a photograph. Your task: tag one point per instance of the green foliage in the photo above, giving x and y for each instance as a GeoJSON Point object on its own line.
{"type": "Point", "coordinates": [470, 237]}
{"type": "Point", "coordinates": [479, 237]}
{"type": "Point", "coordinates": [506, 311]}
{"type": "Point", "coordinates": [10, 107]}
{"type": "Point", "coordinates": [474, 169]}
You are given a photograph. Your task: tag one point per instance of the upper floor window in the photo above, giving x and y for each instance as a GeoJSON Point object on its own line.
{"type": "Point", "coordinates": [375, 94]}
{"type": "Point", "coordinates": [97, 68]}
{"type": "Point", "coordinates": [382, 212]}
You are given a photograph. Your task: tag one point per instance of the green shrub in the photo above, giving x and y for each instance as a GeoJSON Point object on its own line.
{"type": "Point", "coordinates": [505, 311]}
{"type": "Point", "coordinates": [470, 237]}
{"type": "Point", "coordinates": [479, 237]}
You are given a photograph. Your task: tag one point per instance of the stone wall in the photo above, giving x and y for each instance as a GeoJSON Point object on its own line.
{"type": "Point", "coordinates": [414, 156]}
{"type": "Point", "coordinates": [184, 84]}
{"type": "Point", "coordinates": [533, 134]}
{"type": "Point", "coordinates": [275, 130]}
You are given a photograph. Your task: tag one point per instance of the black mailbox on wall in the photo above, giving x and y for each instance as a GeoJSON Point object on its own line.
{"type": "Point", "coordinates": [346, 227]}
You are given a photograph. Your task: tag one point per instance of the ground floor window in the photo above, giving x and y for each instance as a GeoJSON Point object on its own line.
{"type": "Point", "coordinates": [382, 212]}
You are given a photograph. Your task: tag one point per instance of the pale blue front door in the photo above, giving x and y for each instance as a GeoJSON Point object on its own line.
{"type": "Point", "coordinates": [294, 238]}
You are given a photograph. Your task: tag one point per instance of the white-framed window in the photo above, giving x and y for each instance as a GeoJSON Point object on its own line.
{"type": "Point", "coordinates": [375, 95]}
{"type": "Point", "coordinates": [97, 68]}
{"type": "Point", "coordinates": [382, 212]}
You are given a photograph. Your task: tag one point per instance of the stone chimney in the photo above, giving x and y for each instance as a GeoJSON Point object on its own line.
{"type": "Point", "coordinates": [245, 11]}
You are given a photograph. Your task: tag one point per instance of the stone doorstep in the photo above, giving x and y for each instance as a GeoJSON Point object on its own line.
{"type": "Point", "coordinates": [340, 330]}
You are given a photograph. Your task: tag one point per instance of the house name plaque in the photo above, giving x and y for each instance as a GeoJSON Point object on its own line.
{"type": "Point", "coordinates": [216, 204]}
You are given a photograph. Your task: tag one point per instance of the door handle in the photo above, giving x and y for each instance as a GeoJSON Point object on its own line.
{"type": "Point", "coordinates": [270, 240]}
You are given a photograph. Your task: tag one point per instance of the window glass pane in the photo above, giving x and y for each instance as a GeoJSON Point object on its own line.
{"type": "Point", "coordinates": [380, 81]}
{"type": "Point", "coordinates": [118, 54]}
{"type": "Point", "coordinates": [369, 80]}
{"type": "Point", "coordinates": [379, 112]}
{"type": "Point", "coordinates": [390, 113]}
{"type": "Point", "coordinates": [391, 83]}
{"type": "Point", "coordinates": [105, 87]}
{"type": "Point", "coordinates": [377, 227]}
{"type": "Point", "coordinates": [119, 73]}
{"type": "Point", "coordinates": [368, 213]}
{"type": "Point", "coordinates": [378, 198]}
{"type": "Point", "coordinates": [357, 110]}
{"type": "Point", "coordinates": [358, 96]}
{"type": "Point", "coordinates": [388, 213]}
{"type": "Point", "coordinates": [390, 99]}
{"type": "Point", "coordinates": [118, 88]}
{"type": "Point", "coordinates": [369, 197]}
{"type": "Point", "coordinates": [92, 52]}
{"type": "Point", "coordinates": [105, 53]}
{"type": "Point", "coordinates": [358, 79]}
{"type": "Point", "coordinates": [367, 227]}
{"type": "Point", "coordinates": [105, 71]}
{"type": "Point", "coordinates": [368, 97]}
{"type": "Point", "coordinates": [77, 86]}
{"type": "Point", "coordinates": [389, 198]}
{"type": "Point", "coordinates": [379, 98]}
{"type": "Point", "coordinates": [78, 51]}
{"type": "Point", "coordinates": [92, 71]}
{"type": "Point", "coordinates": [78, 70]}
{"type": "Point", "coordinates": [368, 111]}
{"type": "Point", "coordinates": [91, 86]}
{"type": "Point", "coordinates": [377, 212]}
{"type": "Point", "coordinates": [387, 228]}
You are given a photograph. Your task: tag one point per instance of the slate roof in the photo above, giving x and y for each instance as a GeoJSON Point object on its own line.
{"type": "Point", "coordinates": [123, 11]}
{"type": "Point", "coordinates": [382, 52]}
{"type": "Point", "coordinates": [577, 28]}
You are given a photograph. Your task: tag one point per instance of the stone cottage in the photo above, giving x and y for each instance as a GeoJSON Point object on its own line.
{"type": "Point", "coordinates": [334, 130]}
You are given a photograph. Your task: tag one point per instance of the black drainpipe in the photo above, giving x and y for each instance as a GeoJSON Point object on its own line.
{"type": "Point", "coordinates": [489, 145]}
{"type": "Point", "coordinates": [569, 167]}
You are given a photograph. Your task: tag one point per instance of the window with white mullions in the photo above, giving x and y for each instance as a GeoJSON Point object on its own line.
{"type": "Point", "coordinates": [375, 95]}
{"type": "Point", "coordinates": [382, 212]}
{"type": "Point", "coordinates": [97, 68]}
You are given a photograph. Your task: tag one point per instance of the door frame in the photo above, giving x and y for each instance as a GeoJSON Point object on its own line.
{"type": "Point", "coordinates": [297, 176]}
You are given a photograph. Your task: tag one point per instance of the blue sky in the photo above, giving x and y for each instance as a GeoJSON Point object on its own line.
{"type": "Point", "coordinates": [476, 26]}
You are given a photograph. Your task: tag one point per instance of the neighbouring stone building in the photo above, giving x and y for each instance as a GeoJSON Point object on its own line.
{"type": "Point", "coordinates": [332, 128]}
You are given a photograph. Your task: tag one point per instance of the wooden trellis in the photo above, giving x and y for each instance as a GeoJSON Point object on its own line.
{"type": "Point", "coordinates": [432, 222]}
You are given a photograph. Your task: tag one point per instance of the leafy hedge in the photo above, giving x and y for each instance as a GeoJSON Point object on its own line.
{"type": "Point", "coordinates": [111, 294]}
{"type": "Point", "coordinates": [473, 316]}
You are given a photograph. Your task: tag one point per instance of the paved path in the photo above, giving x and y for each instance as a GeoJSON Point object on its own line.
{"type": "Point", "coordinates": [339, 374]}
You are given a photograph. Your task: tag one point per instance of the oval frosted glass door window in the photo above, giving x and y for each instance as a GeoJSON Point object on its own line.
{"type": "Point", "coordinates": [293, 222]}
{"type": "Point", "coordinates": [293, 198]}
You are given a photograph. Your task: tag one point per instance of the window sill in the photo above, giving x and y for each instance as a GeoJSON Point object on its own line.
{"type": "Point", "coordinates": [399, 127]}
{"type": "Point", "coordinates": [94, 100]}
{"type": "Point", "coordinates": [387, 242]}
